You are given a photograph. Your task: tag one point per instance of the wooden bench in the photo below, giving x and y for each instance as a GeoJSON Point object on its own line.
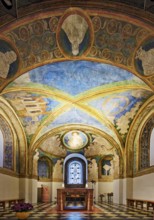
{"type": "Point", "coordinates": [140, 202]}
{"type": "Point", "coordinates": [10, 202]}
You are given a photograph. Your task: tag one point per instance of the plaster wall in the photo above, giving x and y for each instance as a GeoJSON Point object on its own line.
{"type": "Point", "coordinates": [55, 186]}
{"type": "Point", "coordinates": [143, 187]}
{"type": "Point", "coordinates": [118, 189]}
{"type": "Point", "coordinates": [104, 188]}
{"type": "Point", "coordinates": [9, 187]}
{"type": "Point", "coordinates": [127, 190]}
{"type": "Point", "coordinates": [24, 189]}
{"type": "Point", "coordinates": [32, 190]}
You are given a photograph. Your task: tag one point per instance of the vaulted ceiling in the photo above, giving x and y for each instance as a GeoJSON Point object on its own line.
{"type": "Point", "coordinates": [84, 66]}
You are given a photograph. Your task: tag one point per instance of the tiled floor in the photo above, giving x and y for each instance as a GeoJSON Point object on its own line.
{"type": "Point", "coordinates": [103, 211]}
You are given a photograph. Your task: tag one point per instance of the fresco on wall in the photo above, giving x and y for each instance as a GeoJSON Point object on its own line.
{"type": "Point", "coordinates": [74, 34]}
{"type": "Point", "coordinates": [32, 108]}
{"type": "Point", "coordinates": [51, 143]}
{"type": "Point", "coordinates": [107, 167]}
{"type": "Point", "coordinates": [8, 60]}
{"type": "Point", "coordinates": [122, 107]}
{"type": "Point", "coordinates": [58, 170]}
{"type": "Point", "coordinates": [144, 58]}
{"type": "Point", "coordinates": [43, 169]}
{"type": "Point", "coordinates": [98, 147]}
{"type": "Point", "coordinates": [115, 39]}
{"type": "Point", "coordinates": [92, 170]}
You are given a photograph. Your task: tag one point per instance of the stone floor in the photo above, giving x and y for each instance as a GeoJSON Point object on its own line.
{"type": "Point", "coordinates": [102, 211]}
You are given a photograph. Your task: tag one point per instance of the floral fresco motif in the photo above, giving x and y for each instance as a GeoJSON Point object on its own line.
{"type": "Point", "coordinates": [121, 107]}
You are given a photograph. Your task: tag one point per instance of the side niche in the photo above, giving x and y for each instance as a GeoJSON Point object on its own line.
{"type": "Point", "coordinates": [44, 168]}
{"type": "Point", "coordinates": [106, 168]}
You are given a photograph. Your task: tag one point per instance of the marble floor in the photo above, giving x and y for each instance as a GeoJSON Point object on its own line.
{"type": "Point", "coordinates": [102, 211]}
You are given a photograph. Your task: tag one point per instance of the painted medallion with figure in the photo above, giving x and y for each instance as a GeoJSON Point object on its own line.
{"type": "Point", "coordinates": [75, 140]}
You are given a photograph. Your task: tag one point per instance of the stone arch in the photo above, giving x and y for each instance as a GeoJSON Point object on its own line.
{"type": "Point", "coordinates": [133, 138]}
{"type": "Point", "coordinates": [19, 138]}
{"type": "Point", "coordinates": [144, 151]}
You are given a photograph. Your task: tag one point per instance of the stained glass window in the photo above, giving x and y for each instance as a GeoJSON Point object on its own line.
{"type": "Point", "coordinates": [75, 173]}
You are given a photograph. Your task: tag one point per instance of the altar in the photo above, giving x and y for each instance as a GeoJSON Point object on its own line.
{"type": "Point", "coordinates": [75, 195]}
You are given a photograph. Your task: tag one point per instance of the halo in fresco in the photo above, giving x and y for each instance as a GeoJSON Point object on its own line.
{"type": "Point", "coordinates": [74, 33]}
{"type": "Point", "coordinates": [75, 140]}
{"type": "Point", "coordinates": [8, 60]}
{"type": "Point", "coordinates": [144, 58]}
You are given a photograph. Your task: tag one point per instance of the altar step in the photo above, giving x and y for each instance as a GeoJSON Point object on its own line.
{"type": "Point", "coordinates": [75, 205]}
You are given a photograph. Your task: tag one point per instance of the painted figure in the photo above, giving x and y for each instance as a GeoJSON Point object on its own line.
{"type": "Point", "coordinates": [35, 162]}
{"type": "Point", "coordinates": [75, 140]}
{"type": "Point", "coordinates": [6, 59]}
{"type": "Point", "coordinates": [75, 28]}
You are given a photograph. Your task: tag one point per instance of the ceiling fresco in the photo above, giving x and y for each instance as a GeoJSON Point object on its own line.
{"type": "Point", "coordinates": [76, 34]}
{"type": "Point", "coordinates": [75, 72]}
{"type": "Point", "coordinates": [79, 93]}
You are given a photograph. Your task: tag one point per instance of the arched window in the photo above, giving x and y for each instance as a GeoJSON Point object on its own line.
{"type": "Point", "coordinates": [1, 148]}
{"type": "Point", "coordinates": [147, 145]}
{"type": "Point", "coordinates": [75, 171]}
{"type": "Point", "coordinates": [152, 148]}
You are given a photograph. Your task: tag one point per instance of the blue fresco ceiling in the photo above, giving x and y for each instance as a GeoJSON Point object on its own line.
{"type": "Point", "coordinates": [77, 92]}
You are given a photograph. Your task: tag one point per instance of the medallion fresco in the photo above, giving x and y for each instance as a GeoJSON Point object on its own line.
{"type": "Point", "coordinates": [144, 58]}
{"type": "Point", "coordinates": [74, 34]}
{"type": "Point", "coordinates": [9, 61]}
{"type": "Point", "coordinates": [75, 140]}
